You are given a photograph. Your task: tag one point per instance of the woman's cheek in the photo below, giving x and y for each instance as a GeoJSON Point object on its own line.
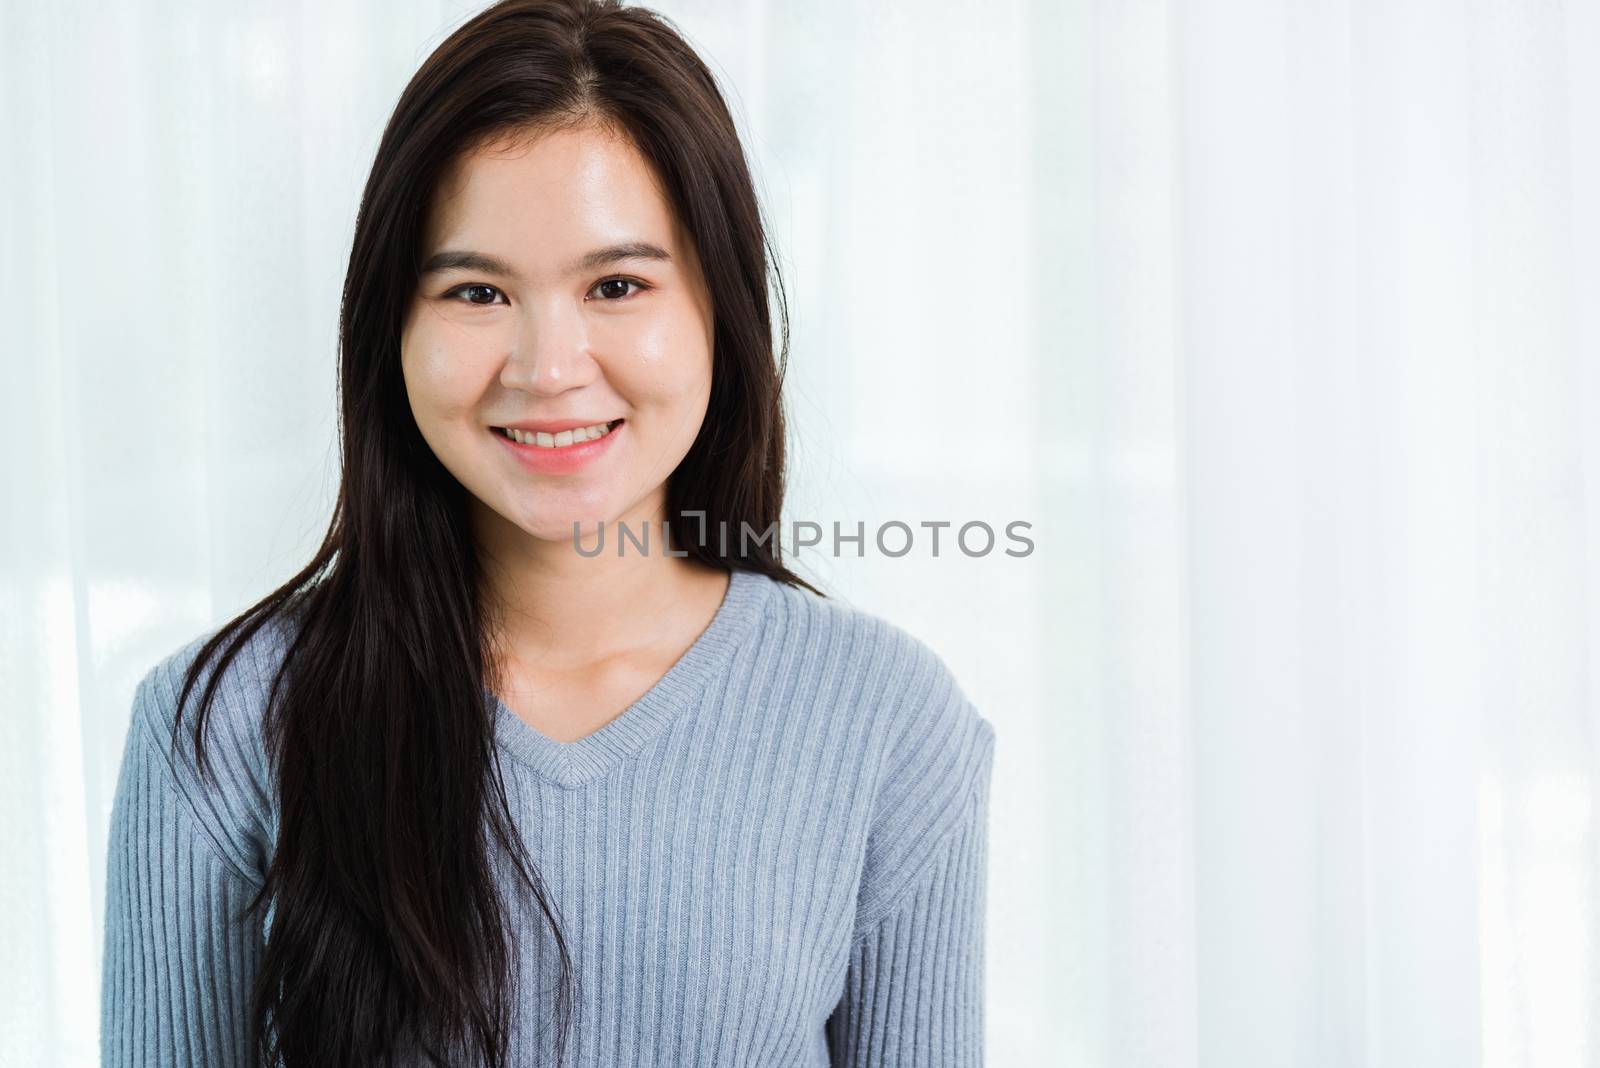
{"type": "Point", "coordinates": [445, 381]}
{"type": "Point", "coordinates": [669, 363]}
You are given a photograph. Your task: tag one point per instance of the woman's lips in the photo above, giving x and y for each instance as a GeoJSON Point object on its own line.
{"type": "Point", "coordinates": [560, 460]}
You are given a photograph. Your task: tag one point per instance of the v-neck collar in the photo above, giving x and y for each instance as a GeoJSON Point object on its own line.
{"type": "Point", "coordinates": [575, 763]}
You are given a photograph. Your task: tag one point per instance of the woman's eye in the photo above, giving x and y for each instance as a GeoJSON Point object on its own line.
{"type": "Point", "coordinates": [611, 290]}
{"type": "Point", "coordinates": [474, 286]}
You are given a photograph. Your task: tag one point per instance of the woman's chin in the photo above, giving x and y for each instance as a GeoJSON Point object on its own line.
{"type": "Point", "coordinates": [579, 530]}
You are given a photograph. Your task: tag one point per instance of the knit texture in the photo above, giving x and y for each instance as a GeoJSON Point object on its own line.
{"type": "Point", "coordinates": [776, 857]}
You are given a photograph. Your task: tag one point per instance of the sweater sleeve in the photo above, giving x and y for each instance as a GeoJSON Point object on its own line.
{"type": "Point", "coordinates": [914, 985]}
{"type": "Point", "coordinates": [180, 950]}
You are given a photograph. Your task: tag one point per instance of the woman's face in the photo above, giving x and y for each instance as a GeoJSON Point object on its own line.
{"type": "Point", "coordinates": [531, 314]}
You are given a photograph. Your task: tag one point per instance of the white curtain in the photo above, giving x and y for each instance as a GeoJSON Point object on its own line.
{"type": "Point", "coordinates": [1277, 321]}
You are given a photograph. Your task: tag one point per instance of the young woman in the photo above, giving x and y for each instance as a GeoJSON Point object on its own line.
{"type": "Point", "coordinates": [466, 790]}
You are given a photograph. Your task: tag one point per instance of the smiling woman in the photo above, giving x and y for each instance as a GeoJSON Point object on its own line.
{"type": "Point", "coordinates": [524, 222]}
{"type": "Point", "coordinates": [467, 777]}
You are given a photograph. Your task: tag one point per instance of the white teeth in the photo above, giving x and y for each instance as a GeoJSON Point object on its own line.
{"type": "Point", "coordinates": [557, 441]}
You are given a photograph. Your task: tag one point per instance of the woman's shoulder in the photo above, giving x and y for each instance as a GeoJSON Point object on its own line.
{"type": "Point", "coordinates": [233, 795]}
{"type": "Point", "coordinates": [878, 666]}
{"type": "Point", "coordinates": [927, 750]}
{"type": "Point", "coordinates": [241, 688]}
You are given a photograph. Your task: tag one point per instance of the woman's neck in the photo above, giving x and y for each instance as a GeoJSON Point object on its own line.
{"type": "Point", "coordinates": [552, 603]}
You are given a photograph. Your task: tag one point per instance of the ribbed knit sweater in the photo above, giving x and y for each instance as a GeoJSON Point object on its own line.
{"type": "Point", "coordinates": [775, 857]}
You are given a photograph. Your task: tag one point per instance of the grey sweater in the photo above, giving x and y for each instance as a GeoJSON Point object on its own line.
{"type": "Point", "coordinates": [776, 857]}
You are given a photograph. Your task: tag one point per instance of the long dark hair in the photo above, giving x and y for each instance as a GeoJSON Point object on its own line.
{"type": "Point", "coordinates": [386, 925]}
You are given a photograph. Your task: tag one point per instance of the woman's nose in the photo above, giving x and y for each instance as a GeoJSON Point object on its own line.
{"type": "Point", "coordinates": [549, 354]}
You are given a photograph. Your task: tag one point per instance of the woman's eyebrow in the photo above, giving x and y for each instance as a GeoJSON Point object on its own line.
{"type": "Point", "coordinates": [463, 260]}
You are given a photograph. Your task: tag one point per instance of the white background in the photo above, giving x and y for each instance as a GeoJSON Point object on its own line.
{"type": "Point", "coordinates": [1277, 320]}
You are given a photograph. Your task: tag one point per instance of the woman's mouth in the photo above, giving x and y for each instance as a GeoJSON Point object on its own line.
{"type": "Point", "coordinates": [564, 439]}
{"type": "Point", "coordinates": [562, 453]}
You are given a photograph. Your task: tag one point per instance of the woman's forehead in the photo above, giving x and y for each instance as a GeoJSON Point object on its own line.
{"type": "Point", "coordinates": [550, 195]}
